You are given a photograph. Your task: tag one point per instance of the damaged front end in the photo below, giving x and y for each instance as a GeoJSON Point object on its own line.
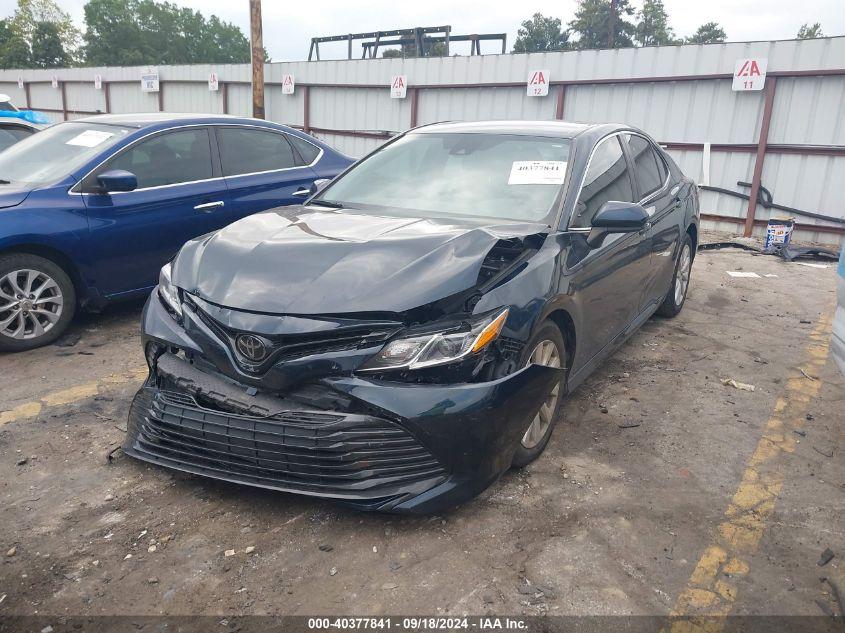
{"type": "Point", "coordinates": [397, 410]}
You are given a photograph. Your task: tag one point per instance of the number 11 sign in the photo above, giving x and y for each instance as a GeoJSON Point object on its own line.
{"type": "Point", "coordinates": [750, 74]}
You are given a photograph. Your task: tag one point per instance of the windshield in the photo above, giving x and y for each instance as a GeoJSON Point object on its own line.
{"type": "Point", "coordinates": [503, 176]}
{"type": "Point", "coordinates": [52, 154]}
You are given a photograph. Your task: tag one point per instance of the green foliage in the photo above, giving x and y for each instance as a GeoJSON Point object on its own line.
{"type": "Point", "coordinates": [597, 26]}
{"type": "Point", "coordinates": [47, 48]}
{"type": "Point", "coordinates": [653, 26]}
{"type": "Point", "coordinates": [138, 32]}
{"type": "Point", "coordinates": [709, 33]}
{"type": "Point", "coordinates": [38, 35]}
{"type": "Point", "coordinates": [392, 53]}
{"type": "Point", "coordinates": [808, 32]}
{"type": "Point", "coordinates": [541, 34]}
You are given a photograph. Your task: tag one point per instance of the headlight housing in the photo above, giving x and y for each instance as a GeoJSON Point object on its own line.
{"type": "Point", "coordinates": [167, 292]}
{"type": "Point", "coordinates": [418, 351]}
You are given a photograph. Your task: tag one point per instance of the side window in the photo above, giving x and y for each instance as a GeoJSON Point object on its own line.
{"type": "Point", "coordinates": [607, 178]}
{"type": "Point", "coordinates": [249, 150]}
{"type": "Point", "coordinates": [648, 167]}
{"type": "Point", "coordinates": [166, 159]}
{"type": "Point", "coordinates": [308, 151]}
{"type": "Point", "coordinates": [9, 135]}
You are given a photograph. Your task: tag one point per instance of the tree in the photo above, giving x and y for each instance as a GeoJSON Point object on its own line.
{"type": "Point", "coordinates": [541, 34]}
{"type": "Point", "coordinates": [14, 51]}
{"type": "Point", "coordinates": [392, 53]}
{"type": "Point", "coordinates": [47, 49]}
{"type": "Point", "coordinates": [653, 26]}
{"type": "Point", "coordinates": [709, 33]}
{"type": "Point", "coordinates": [30, 18]}
{"type": "Point", "coordinates": [139, 32]}
{"type": "Point", "coordinates": [808, 32]}
{"type": "Point", "coordinates": [598, 25]}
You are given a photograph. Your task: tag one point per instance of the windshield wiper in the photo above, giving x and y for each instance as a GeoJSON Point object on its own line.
{"type": "Point", "coordinates": [327, 203]}
{"type": "Point", "coordinates": [5, 182]}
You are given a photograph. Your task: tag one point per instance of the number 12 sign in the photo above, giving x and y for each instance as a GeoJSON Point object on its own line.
{"type": "Point", "coordinates": [538, 83]}
{"type": "Point", "coordinates": [750, 74]}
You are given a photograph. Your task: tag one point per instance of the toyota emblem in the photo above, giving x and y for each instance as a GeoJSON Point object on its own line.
{"type": "Point", "coordinates": [251, 347]}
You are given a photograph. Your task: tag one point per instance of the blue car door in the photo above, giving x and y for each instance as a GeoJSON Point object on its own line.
{"type": "Point", "coordinates": [180, 195]}
{"type": "Point", "coordinates": [263, 168]}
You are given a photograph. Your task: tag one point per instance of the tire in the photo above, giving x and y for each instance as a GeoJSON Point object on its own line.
{"type": "Point", "coordinates": [37, 302]}
{"type": "Point", "coordinates": [537, 436]}
{"type": "Point", "coordinates": [675, 298]}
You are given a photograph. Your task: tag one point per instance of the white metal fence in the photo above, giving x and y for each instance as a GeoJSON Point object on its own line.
{"type": "Point", "coordinates": [681, 95]}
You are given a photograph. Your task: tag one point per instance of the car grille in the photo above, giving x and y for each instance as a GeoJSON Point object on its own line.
{"type": "Point", "coordinates": [291, 346]}
{"type": "Point", "coordinates": [334, 454]}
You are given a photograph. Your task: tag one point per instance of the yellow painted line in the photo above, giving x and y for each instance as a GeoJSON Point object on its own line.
{"type": "Point", "coordinates": [710, 592]}
{"type": "Point", "coordinates": [71, 395]}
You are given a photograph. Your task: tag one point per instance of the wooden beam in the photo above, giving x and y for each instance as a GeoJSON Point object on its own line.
{"type": "Point", "coordinates": [161, 96]}
{"type": "Point", "coordinates": [561, 96]}
{"type": "Point", "coordinates": [224, 88]}
{"type": "Point", "coordinates": [107, 96]}
{"type": "Point", "coordinates": [415, 102]}
{"type": "Point", "coordinates": [257, 59]}
{"type": "Point", "coordinates": [762, 140]}
{"type": "Point", "coordinates": [64, 101]}
{"type": "Point", "coordinates": [306, 109]}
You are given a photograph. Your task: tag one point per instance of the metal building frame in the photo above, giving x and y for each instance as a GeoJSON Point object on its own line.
{"type": "Point", "coordinates": [760, 148]}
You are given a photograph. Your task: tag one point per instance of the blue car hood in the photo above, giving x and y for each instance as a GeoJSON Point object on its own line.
{"type": "Point", "coordinates": [13, 194]}
{"type": "Point", "coordinates": [307, 260]}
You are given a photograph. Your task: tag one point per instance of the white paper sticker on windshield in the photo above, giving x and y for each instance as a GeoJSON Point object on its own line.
{"type": "Point", "coordinates": [89, 138]}
{"type": "Point", "coordinates": [537, 172]}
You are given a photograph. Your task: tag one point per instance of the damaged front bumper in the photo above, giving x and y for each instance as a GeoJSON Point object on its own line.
{"type": "Point", "coordinates": [375, 444]}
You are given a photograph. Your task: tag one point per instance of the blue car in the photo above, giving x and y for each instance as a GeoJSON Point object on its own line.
{"type": "Point", "coordinates": [91, 209]}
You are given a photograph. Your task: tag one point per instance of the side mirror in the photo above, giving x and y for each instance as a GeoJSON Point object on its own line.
{"type": "Point", "coordinates": [319, 185]}
{"type": "Point", "coordinates": [117, 180]}
{"type": "Point", "coordinates": [616, 217]}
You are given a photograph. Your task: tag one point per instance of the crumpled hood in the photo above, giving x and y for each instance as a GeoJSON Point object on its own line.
{"type": "Point", "coordinates": [13, 194]}
{"type": "Point", "coordinates": [305, 260]}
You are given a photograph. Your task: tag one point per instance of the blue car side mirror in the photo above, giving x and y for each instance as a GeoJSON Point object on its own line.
{"type": "Point", "coordinates": [117, 180]}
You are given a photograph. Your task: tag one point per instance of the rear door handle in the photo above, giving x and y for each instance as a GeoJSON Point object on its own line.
{"type": "Point", "coordinates": [208, 206]}
{"type": "Point", "coordinates": [301, 192]}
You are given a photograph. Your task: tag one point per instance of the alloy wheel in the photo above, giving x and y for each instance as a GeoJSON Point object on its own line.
{"type": "Point", "coordinates": [545, 353]}
{"type": "Point", "coordinates": [682, 275]}
{"type": "Point", "coordinates": [31, 303]}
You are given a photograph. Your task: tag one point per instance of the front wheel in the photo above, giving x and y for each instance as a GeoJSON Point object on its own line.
{"type": "Point", "coordinates": [677, 295]}
{"type": "Point", "coordinates": [547, 348]}
{"type": "Point", "coordinates": [37, 302]}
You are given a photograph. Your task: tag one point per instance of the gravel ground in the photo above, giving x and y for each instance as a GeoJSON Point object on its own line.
{"type": "Point", "coordinates": [614, 518]}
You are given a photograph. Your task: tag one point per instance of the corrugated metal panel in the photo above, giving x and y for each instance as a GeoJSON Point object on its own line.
{"type": "Point", "coordinates": [807, 110]}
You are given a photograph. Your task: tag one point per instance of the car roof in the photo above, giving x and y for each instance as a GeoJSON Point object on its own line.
{"type": "Point", "coordinates": [147, 119]}
{"type": "Point", "coordinates": [561, 129]}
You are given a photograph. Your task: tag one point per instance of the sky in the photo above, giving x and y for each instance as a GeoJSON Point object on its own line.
{"type": "Point", "coordinates": [289, 26]}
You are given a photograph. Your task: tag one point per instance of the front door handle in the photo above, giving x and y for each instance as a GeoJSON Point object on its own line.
{"type": "Point", "coordinates": [302, 191]}
{"type": "Point", "coordinates": [208, 206]}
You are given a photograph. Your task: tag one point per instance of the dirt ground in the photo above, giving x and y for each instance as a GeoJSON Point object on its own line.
{"type": "Point", "coordinates": [636, 507]}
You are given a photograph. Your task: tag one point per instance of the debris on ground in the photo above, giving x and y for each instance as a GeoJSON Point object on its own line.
{"type": "Point", "coordinates": [325, 547]}
{"type": "Point", "coordinates": [628, 425]}
{"type": "Point", "coordinates": [826, 557]}
{"type": "Point", "coordinates": [229, 552]}
{"type": "Point", "coordinates": [742, 273]}
{"type": "Point", "coordinates": [12, 551]}
{"type": "Point", "coordinates": [333, 571]}
{"type": "Point", "coordinates": [743, 386]}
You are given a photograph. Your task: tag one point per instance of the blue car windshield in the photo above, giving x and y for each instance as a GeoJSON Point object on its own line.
{"type": "Point", "coordinates": [50, 155]}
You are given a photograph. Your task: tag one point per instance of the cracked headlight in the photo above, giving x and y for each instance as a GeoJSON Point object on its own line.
{"type": "Point", "coordinates": [438, 348]}
{"type": "Point", "coordinates": [167, 292]}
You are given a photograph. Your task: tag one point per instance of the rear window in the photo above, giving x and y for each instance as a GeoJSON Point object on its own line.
{"type": "Point", "coordinates": [308, 151]}
{"type": "Point", "coordinates": [648, 167]}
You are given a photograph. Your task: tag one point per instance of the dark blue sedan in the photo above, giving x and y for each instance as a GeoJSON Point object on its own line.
{"type": "Point", "coordinates": [91, 209]}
